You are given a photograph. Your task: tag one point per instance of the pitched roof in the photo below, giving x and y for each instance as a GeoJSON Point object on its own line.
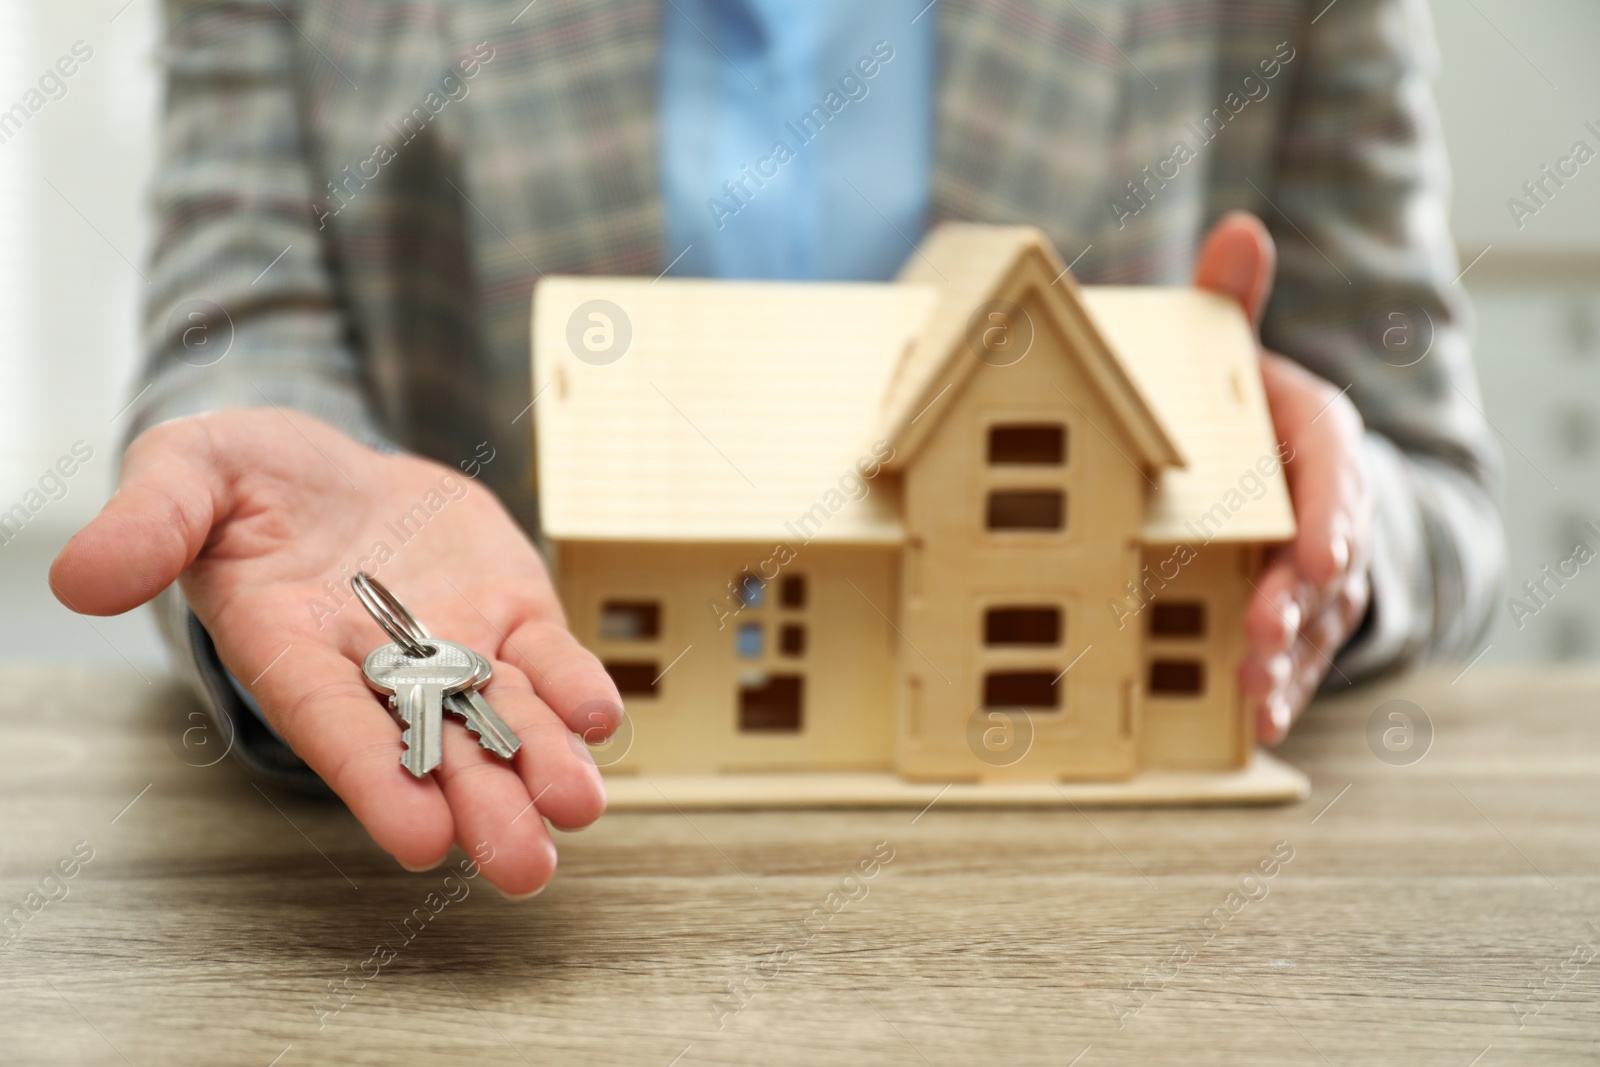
{"type": "Point", "coordinates": [1193, 355]}
{"type": "Point", "coordinates": [736, 407]}
{"type": "Point", "coordinates": [974, 266]}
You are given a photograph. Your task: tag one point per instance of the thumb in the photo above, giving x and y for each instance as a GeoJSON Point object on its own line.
{"type": "Point", "coordinates": [149, 531]}
{"type": "Point", "coordinates": [1238, 259]}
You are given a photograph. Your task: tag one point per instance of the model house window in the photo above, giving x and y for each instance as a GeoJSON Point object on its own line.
{"type": "Point", "coordinates": [1177, 677]}
{"type": "Point", "coordinates": [1020, 689]}
{"type": "Point", "coordinates": [1026, 452]}
{"type": "Point", "coordinates": [635, 678]}
{"type": "Point", "coordinates": [792, 640]}
{"type": "Point", "coordinates": [1022, 626]}
{"type": "Point", "coordinates": [1026, 509]}
{"type": "Point", "coordinates": [1180, 624]}
{"type": "Point", "coordinates": [750, 590]}
{"type": "Point", "coordinates": [792, 596]}
{"type": "Point", "coordinates": [772, 636]}
{"type": "Point", "coordinates": [630, 620]}
{"type": "Point", "coordinates": [1043, 444]}
{"type": "Point", "coordinates": [1178, 618]}
{"type": "Point", "coordinates": [771, 703]}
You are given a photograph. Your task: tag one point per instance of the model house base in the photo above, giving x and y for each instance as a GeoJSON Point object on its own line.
{"type": "Point", "coordinates": [1264, 780]}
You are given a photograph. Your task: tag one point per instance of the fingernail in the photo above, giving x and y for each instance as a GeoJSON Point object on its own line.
{"type": "Point", "coordinates": [580, 749]}
{"type": "Point", "coordinates": [435, 865]}
{"type": "Point", "coordinates": [1280, 715]}
{"type": "Point", "coordinates": [1289, 610]}
{"type": "Point", "coordinates": [1340, 550]}
{"type": "Point", "coordinates": [1278, 668]}
{"type": "Point", "coordinates": [603, 716]}
{"type": "Point", "coordinates": [520, 896]}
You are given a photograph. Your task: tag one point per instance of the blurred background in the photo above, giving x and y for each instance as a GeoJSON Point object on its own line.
{"type": "Point", "coordinates": [1518, 83]}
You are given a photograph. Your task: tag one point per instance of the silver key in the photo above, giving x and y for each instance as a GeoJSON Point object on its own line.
{"type": "Point", "coordinates": [417, 689]}
{"type": "Point", "coordinates": [481, 719]}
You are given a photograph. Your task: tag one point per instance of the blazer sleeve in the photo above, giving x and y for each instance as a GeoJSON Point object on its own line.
{"type": "Point", "coordinates": [1368, 296]}
{"type": "Point", "coordinates": [243, 306]}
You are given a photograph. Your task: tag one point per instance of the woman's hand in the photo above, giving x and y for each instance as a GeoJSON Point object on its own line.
{"type": "Point", "coordinates": [261, 515]}
{"type": "Point", "coordinates": [1312, 593]}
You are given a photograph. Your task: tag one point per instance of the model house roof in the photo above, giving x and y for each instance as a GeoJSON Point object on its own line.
{"type": "Point", "coordinates": [1193, 356]}
{"type": "Point", "coordinates": [736, 407]}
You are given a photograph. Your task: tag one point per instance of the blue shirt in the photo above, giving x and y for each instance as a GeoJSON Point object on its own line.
{"type": "Point", "coordinates": [796, 135]}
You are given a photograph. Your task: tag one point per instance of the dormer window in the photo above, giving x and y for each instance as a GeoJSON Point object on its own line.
{"type": "Point", "coordinates": [1042, 444]}
{"type": "Point", "coordinates": [1026, 491]}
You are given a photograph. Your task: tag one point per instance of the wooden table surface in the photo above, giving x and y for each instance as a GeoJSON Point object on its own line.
{"type": "Point", "coordinates": [1440, 911]}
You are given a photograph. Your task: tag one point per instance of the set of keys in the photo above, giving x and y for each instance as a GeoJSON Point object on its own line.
{"type": "Point", "coordinates": [425, 676]}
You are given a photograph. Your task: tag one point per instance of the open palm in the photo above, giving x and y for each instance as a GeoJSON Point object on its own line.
{"type": "Point", "coordinates": [261, 515]}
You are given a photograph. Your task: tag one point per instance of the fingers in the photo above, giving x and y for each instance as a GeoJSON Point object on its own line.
{"type": "Point", "coordinates": [344, 733]}
{"type": "Point", "coordinates": [504, 805]}
{"type": "Point", "coordinates": [1309, 660]}
{"type": "Point", "coordinates": [341, 729]}
{"type": "Point", "coordinates": [1273, 619]}
{"type": "Point", "coordinates": [567, 676]}
{"type": "Point", "coordinates": [1293, 631]}
{"type": "Point", "coordinates": [552, 775]}
{"type": "Point", "coordinates": [490, 805]}
{"type": "Point", "coordinates": [555, 765]}
{"type": "Point", "coordinates": [1312, 592]}
{"type": "Point", "coordinates": [1238, 259]}
{"type": "Point", "coordinates": [1278, 607]}
{"type": "Point", "coordinates": [1303, 599]}
{"type": "Point", "coordinates": [1326, 478]}
{"type": "Point", "coordinates": [150, 530]}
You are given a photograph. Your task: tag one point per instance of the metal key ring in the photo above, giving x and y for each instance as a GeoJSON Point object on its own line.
{"type": "Point", "coordinates": [393, 616]}
{"type": "Point", "coordinates": [407, 622]}
{"type": "Point", "coordinates": [390, 614]}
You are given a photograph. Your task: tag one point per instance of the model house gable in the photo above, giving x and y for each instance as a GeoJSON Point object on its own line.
{"type": "Point", "coordinates": [1003, 295]}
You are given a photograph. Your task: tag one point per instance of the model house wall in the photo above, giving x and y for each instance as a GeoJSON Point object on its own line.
{"type": "Point", "coordinates": [1193, 639]}
{"type": "Point", "coordinates": [722, 672]}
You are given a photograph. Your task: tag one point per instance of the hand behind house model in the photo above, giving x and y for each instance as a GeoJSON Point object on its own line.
{"type": "Point", "coordinates": [1313, 592]}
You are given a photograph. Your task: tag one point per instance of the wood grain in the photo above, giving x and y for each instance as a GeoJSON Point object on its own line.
{"type": "Point", "coordinates": [1420, 905]}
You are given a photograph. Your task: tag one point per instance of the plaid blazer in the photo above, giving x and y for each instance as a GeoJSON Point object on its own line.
{"type": "Point", "coordinates": [360, 195]}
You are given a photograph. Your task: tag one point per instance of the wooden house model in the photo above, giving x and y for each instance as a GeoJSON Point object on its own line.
{"type": "Point", "coordinates": [975, 525]}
